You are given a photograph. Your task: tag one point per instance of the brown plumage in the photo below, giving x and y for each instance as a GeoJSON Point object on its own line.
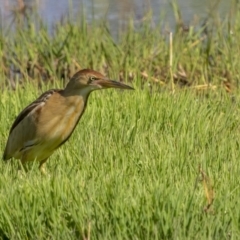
{"type": "Point", "coordinates": [49, 121]}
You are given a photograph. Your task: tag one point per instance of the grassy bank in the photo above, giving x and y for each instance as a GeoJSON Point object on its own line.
{"type": "Point", "coordinates": [204, 52]}
{"type": "Point", "coordinates": [140, 165]}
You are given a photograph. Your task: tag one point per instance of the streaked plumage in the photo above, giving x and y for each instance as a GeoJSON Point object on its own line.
{"type": "Point", "coordinates": [49, 121]}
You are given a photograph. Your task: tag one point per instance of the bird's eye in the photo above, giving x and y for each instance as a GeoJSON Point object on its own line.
{"type": "Point", "coordinates": [91, 79]}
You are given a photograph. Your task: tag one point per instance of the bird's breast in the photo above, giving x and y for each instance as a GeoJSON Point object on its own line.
{"type": "Point", "coordinates": [58, 123]}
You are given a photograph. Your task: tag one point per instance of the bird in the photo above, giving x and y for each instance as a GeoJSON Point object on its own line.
{"type": "Point", "coordinates": [49, 121]}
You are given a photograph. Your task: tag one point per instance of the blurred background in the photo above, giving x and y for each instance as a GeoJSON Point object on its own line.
{"type": "Point", "coordinates": [117, 13]}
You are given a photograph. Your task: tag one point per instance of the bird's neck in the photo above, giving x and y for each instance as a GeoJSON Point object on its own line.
{"type": "Point", "coordinates": [76, 93]}
{"type": "Point", "coordinates": [72, 90]}
{"type": "Point", "coordinates": [76, 97]}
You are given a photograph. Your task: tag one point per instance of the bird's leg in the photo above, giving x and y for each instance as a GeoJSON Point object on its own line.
{"type": "Point", "coordinates": [42, 166]}
{"type": "Point", "coordinates": [23, 162]}
{"type": "Point", "coordinates": [22, 166]}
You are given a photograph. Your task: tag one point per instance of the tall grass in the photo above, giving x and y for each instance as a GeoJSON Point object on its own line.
{"type": "Point", "coordinates": [205, 53]}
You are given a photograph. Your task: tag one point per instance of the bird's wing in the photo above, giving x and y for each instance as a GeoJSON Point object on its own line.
{"type": "Point", "coordinates": [26, 111]}
{"type": "Point", "coordinates": [23, 130]}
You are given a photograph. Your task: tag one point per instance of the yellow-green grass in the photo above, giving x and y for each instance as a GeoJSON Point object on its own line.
{"type": "Point", "coordinates": [201, 53]}
{"type": "Point", "coordinates": [130, 170]}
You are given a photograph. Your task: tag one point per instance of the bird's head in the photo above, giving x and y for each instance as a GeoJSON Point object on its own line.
{"type": "Point", "coordinates": [90, 80]}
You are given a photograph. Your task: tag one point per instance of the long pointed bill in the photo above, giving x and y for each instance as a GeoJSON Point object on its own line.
{"type": "Point", "coordinates": [106, 83]}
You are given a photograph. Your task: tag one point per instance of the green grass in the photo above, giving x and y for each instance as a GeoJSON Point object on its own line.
{"type": "Point", "coordinates": [130, 170]}
{"type": "Point", "coordinates": [141, 164]}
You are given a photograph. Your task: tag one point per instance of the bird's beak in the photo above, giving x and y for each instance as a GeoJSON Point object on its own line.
{"type": "Point", "coordinates": [107, 83]}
